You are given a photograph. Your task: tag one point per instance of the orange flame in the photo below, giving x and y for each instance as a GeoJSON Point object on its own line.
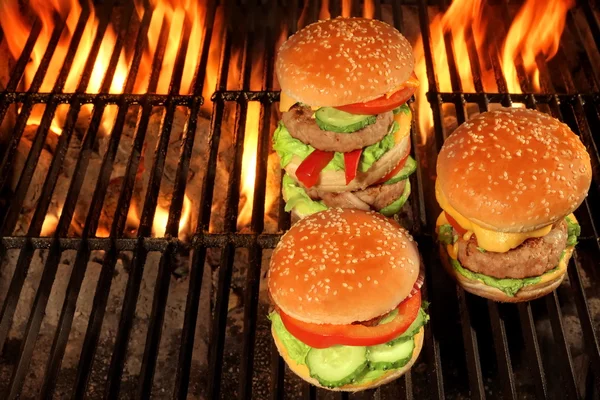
{"type": "Point", "coordinates": [161, 217]}
{"type": "Point", "coordinates": [249, 163]}
{"type": "Point", "coordinates": [537, 29]}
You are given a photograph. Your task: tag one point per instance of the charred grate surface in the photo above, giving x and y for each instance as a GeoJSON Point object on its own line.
{"type": "Point", "coordinates": [135, 314]}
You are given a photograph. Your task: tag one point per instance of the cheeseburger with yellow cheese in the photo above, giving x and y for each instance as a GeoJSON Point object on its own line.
{"type": "Point", "coordinates": [508, 181]}
{"type": "Point", "coordinates": [343, 139]}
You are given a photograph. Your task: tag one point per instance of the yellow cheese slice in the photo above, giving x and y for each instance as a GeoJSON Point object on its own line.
{"type": "Point", "coordinates": [404, 121]}
{"type": "Point", "coordinates": [499, 242]}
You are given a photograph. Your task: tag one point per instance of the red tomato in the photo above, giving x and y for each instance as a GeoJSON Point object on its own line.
{"type": "Point", "coordinates": [384, 103]}
{"type": "Point", "coordinates": [321, 336]}
{"type": "Point", "coordinates": [351, 160]}
{"type": "Point", "coordinates": [308, 171]}
{"type": "Point", "coordinates": [461, 231]}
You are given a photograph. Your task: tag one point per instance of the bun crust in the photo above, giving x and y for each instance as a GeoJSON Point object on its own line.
{"type": "Point", "coordinates": [343, 61]}
{"type": "Point", "coordinates": [514, 170]}
{"type": "Point", "coordinates": [527, 293]}
{"type": "Point", "coordinates": [342, 266]}
{"type": "Point", "coordinates": [303, 372]}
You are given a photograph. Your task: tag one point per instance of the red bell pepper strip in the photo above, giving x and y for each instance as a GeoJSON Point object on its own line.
{"type": "Point", "coordinates": [351, 164]}
{"type": "Point", "coordinates": [308, 171]}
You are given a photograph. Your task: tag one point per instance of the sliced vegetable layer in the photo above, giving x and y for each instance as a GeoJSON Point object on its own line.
{"type": "Point", "coordinates": [326, 335]}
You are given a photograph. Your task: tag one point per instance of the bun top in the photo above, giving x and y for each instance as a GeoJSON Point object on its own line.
{"type": "Point", "coordinates": [342, 266]}
{"type": "Point", "coordinates": [343, 61]}
{"type": "Point", "coordinates": [514, 170]}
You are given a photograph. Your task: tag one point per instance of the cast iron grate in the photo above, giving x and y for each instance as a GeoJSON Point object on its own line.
{"type": "Point", "coordinates": [472, 347]}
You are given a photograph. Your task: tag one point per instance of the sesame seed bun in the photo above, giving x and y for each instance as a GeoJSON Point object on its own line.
{"type": "Point", "coordinates": [340, 266]}
{"type": "Point", "coordinates": [548, 283]}
{"type": "Point", "coordinates": [343, 61]}
{"type": "Point", "coordinates": [303, 372]}
{"type": "Point", "coordinates": [514, 170]}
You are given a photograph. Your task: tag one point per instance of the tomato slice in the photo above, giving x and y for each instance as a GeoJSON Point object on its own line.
{"type": "Point", "coordinates": [384, 103]}
{"type": "Point", "coordinates": [308, 171]}
{"type": "Point", "coordinates": [461, 231]}
{"type": "Point", "coordinates": [351, 164]}
{"type": "Point", "coordinates": [321, 336]}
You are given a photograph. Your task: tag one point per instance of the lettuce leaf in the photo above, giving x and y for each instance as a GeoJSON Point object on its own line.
{"type": "Point", "coordinates": [298, 198]}
{"type": "Point", "coordinates": [375, 151]}
{"type": "Point", "coordinates": [446, 234]}
{"type": "Point", "coordinates": [573, 231]}
{"type": "Point", "coordinates": [295, 348]}
{"type": "Point", "coordinates": [286, 146]}
{"type": "Point", "coordinates": [510, 286]}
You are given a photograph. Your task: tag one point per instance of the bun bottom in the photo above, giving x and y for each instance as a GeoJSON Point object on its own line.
{"type": "Point", "coordinates": [549, 282]}
{"type": "Point", "coordinates": [303, 372]}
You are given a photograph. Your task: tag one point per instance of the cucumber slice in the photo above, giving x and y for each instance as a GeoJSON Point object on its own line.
{"type": "Point", "coordinates": [334, 120]}
{"type": "Point", "coordinates": [396, 206]}
{"type": "Point", "coordinates": [412, 330]}
{"type": "Point", "coordinates": [388, 318]}
{"type": "Point", "coordinates": [384, 357]}
{"type": "Point", "coordinates": [404, 173]}
{"type": "Point", "coordinates": [337, 365]}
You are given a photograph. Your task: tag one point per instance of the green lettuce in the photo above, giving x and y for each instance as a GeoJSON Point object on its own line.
{"type": "Point", "coordinates": [396, 206]}
{"type": "Point", "coordinates": [510, 286]}
{"type": "Point", "coordinates": [375, 151]}
{"type": "Point", "coordinates": [295, 348]}
{"type": "Point", "coordinates": [446, 234]}
{"type": "Point", "coordinates": [573, 231]}
{"type": "Point", "coordinates": [286, 146]}
{"type": "Point", "coordinates": [298, 198]}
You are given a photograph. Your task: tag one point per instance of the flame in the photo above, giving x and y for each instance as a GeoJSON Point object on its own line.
{"type": "Point", "coordinates": [161, 217]}
{"type": "Point", "coordinates": [249, 163]}
{"type": "Point", "coordinates": [536, 30]}
{"type": "Point", "coordinates": [461, 16]}
{"type": "Point", "coordinates": [50, 223]}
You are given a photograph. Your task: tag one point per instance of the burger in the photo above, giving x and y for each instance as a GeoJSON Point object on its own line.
{"type": "Point", "coordinates": [345, 284]}
{"type": "Point", "coordinates": [508, 182]}
{"type": "Point", "coordinates": [343, 138]}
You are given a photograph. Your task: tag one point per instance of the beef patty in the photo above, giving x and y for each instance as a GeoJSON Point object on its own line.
{"type": "Point", "coordinates": [532, 258]}
{"type": "Point", "coordinates": [302, 126]}
{"type": "Point", "coordinates": [373, 197]}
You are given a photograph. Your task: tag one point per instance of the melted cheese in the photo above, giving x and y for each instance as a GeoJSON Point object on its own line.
{"type": "Point", "coordinates": [499, 242]}
{"type": "Point", "coordinates": [404, 122]}
{"type": "Point", "coordinates": [412, 82]}
{"type": "Point", "coordinates": [561, 267]}
{"type": "Point", "coordinates": [286, 102]}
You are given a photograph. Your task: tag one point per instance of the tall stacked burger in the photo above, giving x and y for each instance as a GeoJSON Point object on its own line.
{"type": "Point", "coordinates": [508, 182]}
{"type": "Point", "coordinates": [343, 139]}
{"type": "Point", "coordinates": [346, 289]}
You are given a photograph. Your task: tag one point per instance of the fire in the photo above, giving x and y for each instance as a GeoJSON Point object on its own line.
{"type": "Point", "coordinates": [161, 216]}
{"type": "Point", "coordinates": [249, 163]}
{"type": "Point", "coordinates": [537, 29]}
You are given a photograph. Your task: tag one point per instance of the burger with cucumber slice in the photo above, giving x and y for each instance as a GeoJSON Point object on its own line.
{"type": "Point", "coordinates": [508, 182]}
{"type": "Point", "coordinates": [343, 138]}
{"type": "Point", "coordinates": [345, 285]}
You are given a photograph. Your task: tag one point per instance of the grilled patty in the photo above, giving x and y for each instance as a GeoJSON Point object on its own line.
{"type": "Point", "coordinates": [302, 126]}
{"type": "Point", "coordinates": [373, 197]}
{"type": "Point", "coordinates": [532, 258]}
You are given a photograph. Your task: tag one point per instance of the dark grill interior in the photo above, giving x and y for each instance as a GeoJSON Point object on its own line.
{"type": "Point", "coordinates": [103, 307]}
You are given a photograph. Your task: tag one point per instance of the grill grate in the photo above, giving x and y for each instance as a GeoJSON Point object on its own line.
{"type": "Point", "coordinates": [505, 350]}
